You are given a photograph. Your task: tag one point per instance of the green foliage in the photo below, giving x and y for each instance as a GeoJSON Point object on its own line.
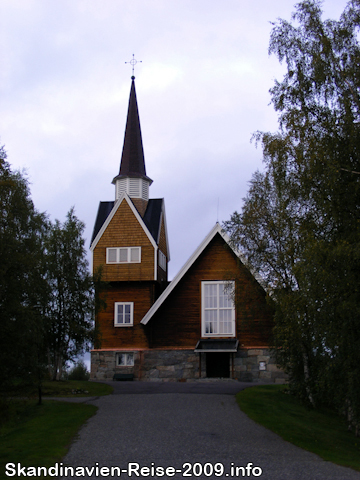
{"type": "Point", "coordinates": [300, 225]}
{"type": "Point", "coordinates": [79, 372]}
{"type": "Point", "coordinates": [46, 292]}
{"type": "Point", "coordinates": [324, 433]}
{"type": "Point", "coordinates": [71, 306]}
{"type": "Point", "coordinates": [22, 285]}
{"type": "Point", "coordinates": [100, 296]}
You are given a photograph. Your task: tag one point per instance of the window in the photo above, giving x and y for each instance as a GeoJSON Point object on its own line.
{"type": "Point", "coordinates": [162, 260]}
{"type": "Point", "coordinates": [125, 359]}
{"type": "Point", "coordinates": [123, 255]}
{"type": "Point", "coordinates": [218, 311]}
{"type": "Point", "coordinates": [124, 314]}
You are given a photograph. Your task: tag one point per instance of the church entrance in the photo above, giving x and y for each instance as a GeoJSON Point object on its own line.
{"type": "Point", "coordinates": [218, 365]}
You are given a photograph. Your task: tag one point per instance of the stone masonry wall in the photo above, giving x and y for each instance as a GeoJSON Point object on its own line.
{"type": "Point", "coordinates": [183, 365]}
{"type": "Point", "coordinates": [246, 366]}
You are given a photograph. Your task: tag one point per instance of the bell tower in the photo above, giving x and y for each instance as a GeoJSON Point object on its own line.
{"type": "Point", "coordinates": [132, 178]}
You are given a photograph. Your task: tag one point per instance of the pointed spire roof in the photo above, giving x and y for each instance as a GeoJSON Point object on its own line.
{"type": "Point", "coordinates": [132, 160]}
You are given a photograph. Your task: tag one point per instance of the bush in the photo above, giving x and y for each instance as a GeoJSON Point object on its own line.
{"type": "Point", "coordinates": [79, 372]}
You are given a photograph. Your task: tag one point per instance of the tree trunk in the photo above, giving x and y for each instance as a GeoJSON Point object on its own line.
{"type": "Point", "coordinates": [306, 378]}
{"type": "Point", "coordinates": [40, 395]}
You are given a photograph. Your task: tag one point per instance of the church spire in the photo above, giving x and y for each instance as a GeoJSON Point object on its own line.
{"type": "Point", "coordinates": [132, 177]}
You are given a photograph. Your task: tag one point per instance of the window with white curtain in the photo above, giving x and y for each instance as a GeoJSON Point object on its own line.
{"type": "Point", "coordinates": [123, 255]}
{"type": "Point", "coordinates": [125, 359]}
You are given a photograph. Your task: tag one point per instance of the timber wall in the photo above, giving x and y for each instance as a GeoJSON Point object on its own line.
{"type": "Point", "coordinates": [143, 294]}
{"type": "Point", "coordinates": [177, 323]}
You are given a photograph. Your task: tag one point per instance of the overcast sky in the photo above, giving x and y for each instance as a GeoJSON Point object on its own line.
{"type": "Point", "coordinates": [202, 90]}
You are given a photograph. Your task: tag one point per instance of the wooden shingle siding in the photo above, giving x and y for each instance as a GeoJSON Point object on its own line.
{"type": "Point", "coordinates": [124, 230]}
{"type": "Point", "coordinates": [177, 323]}
{"type": "Point", "coordinates": [162, 239]}
{"type": "Point", "coordinates": [143, 296]}
{"type": "Point", "coordinates": [140, 205]}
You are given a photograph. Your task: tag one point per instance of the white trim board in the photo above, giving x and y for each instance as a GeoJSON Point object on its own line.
{"type": "Point", "coordinates": [104, 226]}
{"type": "Point", "coordinates": [216, 229]}
{"type": "Point", "coordinates": [117, 204]}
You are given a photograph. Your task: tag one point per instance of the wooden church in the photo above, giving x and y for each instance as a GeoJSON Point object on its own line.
{"type": "Point", "coordinates": [211, 321]}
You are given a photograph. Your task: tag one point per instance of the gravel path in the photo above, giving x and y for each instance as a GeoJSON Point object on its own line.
{"type": "Point", "coordinates": [171, 429]}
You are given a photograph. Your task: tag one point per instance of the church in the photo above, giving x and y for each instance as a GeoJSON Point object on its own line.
{"type": "Point", "coordinates": [211, 321]}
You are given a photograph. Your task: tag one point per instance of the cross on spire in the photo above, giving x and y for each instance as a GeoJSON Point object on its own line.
{"type": "Point", "coordinates": [133, 62]}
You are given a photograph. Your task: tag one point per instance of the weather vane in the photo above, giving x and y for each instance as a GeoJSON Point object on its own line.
{"type": "Point", "coordinates": [133, 62]}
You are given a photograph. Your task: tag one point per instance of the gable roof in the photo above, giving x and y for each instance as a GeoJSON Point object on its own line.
{"type": "Point", "coordinates": [152, 217]}
{"type": "Point", "coordinates": [132, 162]}
{"type": "Point", "coordinates": [214, 231]}
{"type": "Point", "coordinates": [106, 212]}
{"type": "Point", "coordinates": [102, 214]}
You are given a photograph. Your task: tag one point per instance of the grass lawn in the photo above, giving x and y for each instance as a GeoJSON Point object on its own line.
{"type": "Point", "coordinates": [40, 435]}
{"type": "Point", "coordinates": [36, 435]}
{"type": "Point", "coordinates": [323, 433]}
{"type": "Point", "coordinates": [75, 388]}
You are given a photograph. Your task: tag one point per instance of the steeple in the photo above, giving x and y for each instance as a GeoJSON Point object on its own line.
{"type": "Point", "coordinates": [132, 177]}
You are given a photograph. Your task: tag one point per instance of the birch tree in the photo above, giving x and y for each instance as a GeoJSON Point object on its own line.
{"type": "Point", "coordinates": [300, 223]}
{"type": "Point", "coordinates": [71, 306]}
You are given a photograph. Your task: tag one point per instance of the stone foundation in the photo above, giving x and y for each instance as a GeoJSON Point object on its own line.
{"type": "Point", "coordinates": [185, 365]}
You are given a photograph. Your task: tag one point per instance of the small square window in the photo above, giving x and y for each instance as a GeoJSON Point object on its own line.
{"type": "Point", "coordinates": [124, 314]}
{"type": "Point", "coordinates": [162, 260]}
{"type": "Point", "coordinates": [125, 359]}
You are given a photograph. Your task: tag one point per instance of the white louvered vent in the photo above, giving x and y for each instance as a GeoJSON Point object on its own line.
{"type": "Point", "coordinates": [145, 190]}
{"type": "Point", "coordinates": [121, 187]}
{"type": "Point", "coordinates": [134, 187]}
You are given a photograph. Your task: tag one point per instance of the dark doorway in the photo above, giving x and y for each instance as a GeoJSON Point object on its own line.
{"type": "Point", "coordinates": [218, 365]}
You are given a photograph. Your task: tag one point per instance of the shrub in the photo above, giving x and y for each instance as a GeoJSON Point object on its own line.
{"type": "Point", "coordinates": [79, 372]}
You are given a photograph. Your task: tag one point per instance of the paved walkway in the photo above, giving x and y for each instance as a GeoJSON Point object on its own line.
{"type": "Point", "coordinates": [189, 427]}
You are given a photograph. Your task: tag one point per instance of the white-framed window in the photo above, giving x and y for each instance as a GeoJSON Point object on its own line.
{"type": "Point", "coordinates": [123, 255]}
{"type": "Point", "coordinates": [217, 309]}
{"type": "Point", "coordinates": [125, 359]}
{"type": "Point", "coordinates": [162, 260]}
{"type": "Point", "coordinates": [124, 314]}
